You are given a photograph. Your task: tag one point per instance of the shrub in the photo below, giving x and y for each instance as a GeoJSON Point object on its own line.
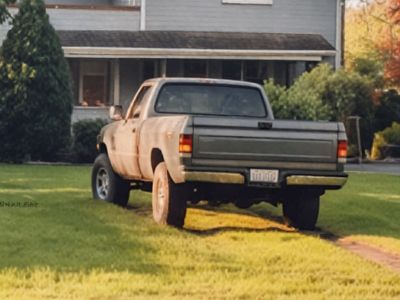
{"type": "Point", "coordinates": [35, 94]}
{"type": "Point", "coordinates": [325, 94]}
{"type": "Point", "coordinates": [303, 100]}
{"type": "Point", "coordinates": [389, 136]}
{"type": "Point", "coordinates": [371, 67]}
{"type": "Point", "coordinates": [387, 111]}
{"type": "Point", "coordinates": [85, 138]}
{"type": "Point", "coordinates": [322, 94]}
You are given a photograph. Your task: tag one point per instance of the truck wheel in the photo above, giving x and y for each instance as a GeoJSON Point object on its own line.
{"type": "Point", "coordinates": [107, 185]}
{"type": "Point", "coordinates": [169, 206]}
{"type": "Point", "coordinates": [300, 209]}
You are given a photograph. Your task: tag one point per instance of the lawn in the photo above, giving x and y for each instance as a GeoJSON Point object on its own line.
{"type": "Point", "coordinates": [56, 242]}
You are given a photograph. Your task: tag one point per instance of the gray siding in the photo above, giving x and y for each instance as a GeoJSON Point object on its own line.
{"type": "Point", "coordinates": [79, 2]}
{"type": "Point", "coordinates": [284, 16]}
{"type": "Point", "coordinates": [76, 19]}
{"type": "Point", "coordinates": [84, 19]}
{"type": "Point", "coordinates": [95, 2]}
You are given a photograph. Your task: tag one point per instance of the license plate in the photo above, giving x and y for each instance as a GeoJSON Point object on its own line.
{"type": "Point", "coordinates": [268, 176]}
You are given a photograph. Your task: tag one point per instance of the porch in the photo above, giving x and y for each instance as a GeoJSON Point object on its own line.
{"type": "Point", "coordinates": [107, 67]}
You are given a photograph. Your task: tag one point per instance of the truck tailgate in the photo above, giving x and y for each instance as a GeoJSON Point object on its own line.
{"type": "Point", "coordinates": [254, 140]}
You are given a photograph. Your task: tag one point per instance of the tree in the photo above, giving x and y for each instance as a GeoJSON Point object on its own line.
{"type": "Point", "coordinates": [366, 28]}
{"type": "Point", "coordinates": [391, 47]}
{"type": "Point", "coordinates": [35, 94]}
{"type": "Point", "coordinates": [4, 13]}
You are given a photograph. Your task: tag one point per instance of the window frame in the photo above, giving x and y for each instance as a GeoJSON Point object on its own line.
{"type": "Point", "coordinates": [86, 71]}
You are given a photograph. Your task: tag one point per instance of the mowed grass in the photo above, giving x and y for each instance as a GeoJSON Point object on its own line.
{"type": "Point", "coordinates": [367, 209]}
{"type": "Point", "coordinates": [68, 246]}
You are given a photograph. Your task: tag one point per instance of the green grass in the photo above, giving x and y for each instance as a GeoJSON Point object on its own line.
{"type": "Point", "coordinates": [367, 209]}
{"type": "Point", "coordinates": [71, 247]}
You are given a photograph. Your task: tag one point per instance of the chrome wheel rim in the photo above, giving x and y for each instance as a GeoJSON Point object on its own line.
{"type": "Point", "coordinates": [102, 183]}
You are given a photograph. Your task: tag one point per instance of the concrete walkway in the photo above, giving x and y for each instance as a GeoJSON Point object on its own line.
{"type": "Point", "coordinates": [386, 168]}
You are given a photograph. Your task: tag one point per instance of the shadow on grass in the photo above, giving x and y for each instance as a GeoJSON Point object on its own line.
{"type": "Point", "coordinates": [205, 220]}
{"type": "Point", "coordinates": [66, 230]}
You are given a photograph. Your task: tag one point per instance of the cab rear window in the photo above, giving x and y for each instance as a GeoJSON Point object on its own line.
{"type": "Point", "coordinates": [210, 99]}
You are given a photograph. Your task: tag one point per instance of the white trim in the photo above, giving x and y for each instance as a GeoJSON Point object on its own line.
{"type": "Point", "coordinates": [143, 15]}
{"type": "Point", "coordinates": [256, 2]}
{"type": "Point", "coordinates": [338, 59]}
{"type": "Point", "coordinates": [112, 52]}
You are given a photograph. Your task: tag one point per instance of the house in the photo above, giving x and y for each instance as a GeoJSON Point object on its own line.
{"type": "Point", "coordinates": [113, 45]}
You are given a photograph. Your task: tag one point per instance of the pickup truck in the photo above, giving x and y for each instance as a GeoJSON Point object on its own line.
{"type": "Point", "coordinates": [187, 140]}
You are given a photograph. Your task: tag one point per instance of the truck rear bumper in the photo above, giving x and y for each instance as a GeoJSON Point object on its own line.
{"type": "Point", "coordinates": [332, 182]}
{"type": "Point", "coordinates": [316, 180]}
{"type": "Point", "coordinates": [215, 177]}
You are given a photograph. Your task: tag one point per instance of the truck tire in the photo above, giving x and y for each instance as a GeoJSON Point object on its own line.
{"type": "Point", "coordinates": [169, 205]}
{"type": "Point", "coordinates": [300, 209]}
{"type": "Point", "coordinates": [107, 185]}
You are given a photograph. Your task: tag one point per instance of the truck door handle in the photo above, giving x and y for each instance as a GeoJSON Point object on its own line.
{"type": "Point", "coordinates": [265, 125]}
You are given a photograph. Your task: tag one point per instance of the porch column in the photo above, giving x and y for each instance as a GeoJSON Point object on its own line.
{"type": "Point", "coordinates": [163, 68]}
{"type": "Point", "coordinates": [242, 70]}
{"type": "Point", "coordinates": [116, 78]}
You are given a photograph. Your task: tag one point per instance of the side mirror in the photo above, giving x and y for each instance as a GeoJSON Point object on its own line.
{"type": "Point", "coordinates": [115, 113]}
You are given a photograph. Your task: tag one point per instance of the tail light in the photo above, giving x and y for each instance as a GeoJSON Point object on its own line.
{"type": "Point", "coordinates": [342, 150]}
{"type": "Point", "coordinates": [185, 143]}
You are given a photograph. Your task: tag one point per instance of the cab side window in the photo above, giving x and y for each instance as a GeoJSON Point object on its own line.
{"type": "Point", "coordinates": [137, 105]}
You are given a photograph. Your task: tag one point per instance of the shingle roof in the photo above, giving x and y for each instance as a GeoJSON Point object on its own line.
{"type": "Point", "coordinates": [195, 40]}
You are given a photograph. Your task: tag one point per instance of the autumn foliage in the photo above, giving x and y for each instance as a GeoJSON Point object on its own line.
{"type": "Point", "coordinates": [391, 46]}
{"type": "Point", "coordinates": [373, 32]}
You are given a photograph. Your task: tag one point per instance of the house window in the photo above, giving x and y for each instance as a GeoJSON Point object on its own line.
{"type": "Point", "coordinates": [174, 68]}
{"type": "Point", "coordinates": [94, 83]}
{"type": "Point", "coordinates": [256, 2]}
{"type": "Point", "coordinates": [232, 69]}
{"type": "Point", "coordinates": [195, 68]}
{"type": "Point", "coordinates": [149, 69]}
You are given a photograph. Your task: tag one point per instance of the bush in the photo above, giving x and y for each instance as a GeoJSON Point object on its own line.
{"type": "Point", "coordinates": [371, 67]}
{"type": "Point", "coordinates": [387, 111]}
{"type": "Point", "coordinates": [85, 138]}
{"type": "Point", "coordinates": [325, 94]}
{"type": "Point", "coordinates": [389, 136]}
{"type": "Point", "coordinates": [303, 100]}
{"type": "Point", "coordinates": [35, 93]}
